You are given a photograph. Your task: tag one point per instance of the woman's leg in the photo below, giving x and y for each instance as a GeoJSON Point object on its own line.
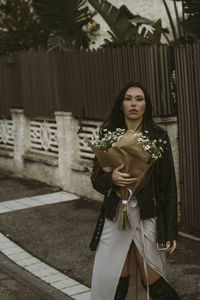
{"type": "Point", "coordinates": [125, 270]}
{"type": "Point", "coordinates": [159, 289]}
{"type": "Point", "coordinates": [153, 276]}
{"type": "Point", "coordinates": [122, 287]}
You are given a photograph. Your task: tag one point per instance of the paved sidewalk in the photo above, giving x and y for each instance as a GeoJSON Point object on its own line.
{"type": "Point", "coordinates": [48, 236]}
{"type": "Point", "coordinates": [33, 265]}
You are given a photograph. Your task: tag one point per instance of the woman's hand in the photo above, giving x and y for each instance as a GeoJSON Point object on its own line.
{"type": "Point", "coordinates": [121, 179]}
{"type": "Point", "coordinates": [172, 246]}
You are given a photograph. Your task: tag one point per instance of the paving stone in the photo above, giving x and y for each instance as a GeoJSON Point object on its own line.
{"type": "Point", "coordinates": [54, 278]}
{"type": "Point", "coordinates": [28, 261]}
{"type": "Point", "coordinates": [64, 284]}
{"type": "Point", "coordinates": [19, 256]}
{"type": "Point", "coordinates": [82, 296]}
{"type": "Point", "coordinates": [42, 272]}
{"type": "Point", "coordinates": [14, 205]}
{"type": "Point", "coordinates": [76, 289]}
{"type": "Point", "coordinates": [56, 197]}
{"type": "Point", "coordinates": [39, 266]}
{"type": "Point", "coordinates": [12, 250]}
{"type": "Point", "coordinates": [52, 271]}
{"type": "Point", "coordinates": [26, 201]}
{"type": "Point", "coordinates": [4, 209]}
{"type": "Point", "coordinates": [6, 244]}
{"type": "Point", "coordinates": [3, 238]}
{"type": "Point", "coordinates": [34, 202]}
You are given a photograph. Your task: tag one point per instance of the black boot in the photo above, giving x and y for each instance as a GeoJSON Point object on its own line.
{"type": "Point", "coordinates": [122, 288]}
{"type": "Point", "coordinates": [161, 290]}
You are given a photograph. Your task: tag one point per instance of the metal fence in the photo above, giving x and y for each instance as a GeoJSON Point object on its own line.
{"type": "Point", "coordinates": [84, 82]}
{"type": "Point", "coordinates": [187, 62]}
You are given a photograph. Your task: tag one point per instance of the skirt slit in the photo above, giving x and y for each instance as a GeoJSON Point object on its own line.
{"type": "Point", "coordinates": [112, 251]}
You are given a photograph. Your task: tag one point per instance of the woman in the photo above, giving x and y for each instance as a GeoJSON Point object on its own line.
{"type": "Point", "coordinates": [133, 254]}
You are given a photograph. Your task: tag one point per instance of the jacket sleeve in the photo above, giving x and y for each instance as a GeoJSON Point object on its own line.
{"type": "Point", "coordinates": [169, 190]}
{"type": "Point", "coordinates": [101, 182]}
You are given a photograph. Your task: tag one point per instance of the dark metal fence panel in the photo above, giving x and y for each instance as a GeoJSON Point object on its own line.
{"type": "Point", "coordinates": [187, 61]}
{"type": "Point", "coordinates": [9, 85]}
{"type": "Point", "coordinates": [39, 84]}
{"type": "Point", "coordinates": [85, 82]}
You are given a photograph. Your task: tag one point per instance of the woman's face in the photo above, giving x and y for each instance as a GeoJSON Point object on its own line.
{"type": "Point", "coordinates": [134, 103]}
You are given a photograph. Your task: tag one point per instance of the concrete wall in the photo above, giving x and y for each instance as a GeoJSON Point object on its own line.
{"type": "Point", "coordinates": [65, 167]}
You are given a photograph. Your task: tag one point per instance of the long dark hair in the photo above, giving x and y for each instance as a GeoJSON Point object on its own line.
{"type": "Point", "coordinates": [115, 117]}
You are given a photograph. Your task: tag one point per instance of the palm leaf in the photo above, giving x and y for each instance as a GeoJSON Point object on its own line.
{"type": "Point", "coordinates": [116, 20]}
{"type": "Point", "coordinates": [190, 18]}
{"type": "Point", "coordinates": [140, 20]}
{"type": "Point", "coordinates": [170, 20]}
{"type": "Point", "coordinates": [192, 10]}
{"type": "Point", "coordinates": [65, 18]}
{"type": "Point", "coordinates": [122, 27]}
{"type": "Point", "coordinates": [154, 38]}
{"type": "Point", "coordinates": [177, 19]}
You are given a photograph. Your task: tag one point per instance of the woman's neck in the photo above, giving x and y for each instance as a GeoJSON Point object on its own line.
{"type": "Point", "coordinates": [136, 125]}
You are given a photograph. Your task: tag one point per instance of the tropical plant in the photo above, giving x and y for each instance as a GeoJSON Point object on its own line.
{"type": "Point", "coordinates": [191, 17]}
{"type": "Point", "coordinates": [186, 28]}
{"type": "Point", "coordinates": [124, 31]}
{"type": "Point", "coordinates": [66, 19]}
{"type": "Point", "coordinates": [127, 28]}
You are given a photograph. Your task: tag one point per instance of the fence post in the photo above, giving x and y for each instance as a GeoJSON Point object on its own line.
{"type": "Point", "coordinates": [21, 138]}
{"type": "Point", "coordinates": [66, 135]}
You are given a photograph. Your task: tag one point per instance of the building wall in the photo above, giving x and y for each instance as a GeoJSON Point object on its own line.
{"type": "Point", "coordinates": [152, 9]}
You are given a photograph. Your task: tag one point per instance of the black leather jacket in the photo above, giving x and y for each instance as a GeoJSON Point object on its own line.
{"type": "Point", "coordinates": [157, 198]}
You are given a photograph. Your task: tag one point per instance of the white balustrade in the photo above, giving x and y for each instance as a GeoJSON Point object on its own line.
{"type": "Point", "coordinates": [88, 130]}
{"type": "Point", "coordinates": [43, 137]}
{"type": "Point", "coordinates": [6, 134]}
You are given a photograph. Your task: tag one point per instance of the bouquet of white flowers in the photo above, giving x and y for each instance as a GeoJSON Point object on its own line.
{"type": "Point", "coordinates": [135, 151]}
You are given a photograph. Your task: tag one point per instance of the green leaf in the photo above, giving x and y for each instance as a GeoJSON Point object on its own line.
{"type": "Point", "coordinates": [170, 20]}
{"type": "Point", "coordinates": [154, 38]}
{"type": "Point", "coordinates": [116, 20]}
{"type": "Point", "coordinates": [65, 18]}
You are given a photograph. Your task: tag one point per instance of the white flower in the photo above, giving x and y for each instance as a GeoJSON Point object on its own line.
{"type": "Point", "coordinates": [146, 131]}
{"type": "Point", "coordinates": [164, 142]}
{"type": "Point", "coordinates": [147, 147]}
{"type": "Point", "coordinates": [160, 140]}
{"type": "Point", "coordinates": [114, 145]}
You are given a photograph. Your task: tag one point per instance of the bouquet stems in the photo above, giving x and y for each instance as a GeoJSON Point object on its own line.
{"type": "Point", "coordinates": [124, 222]}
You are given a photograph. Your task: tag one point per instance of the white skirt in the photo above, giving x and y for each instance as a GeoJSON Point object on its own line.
{"type": "Point", "coordinates": [112, 251]}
